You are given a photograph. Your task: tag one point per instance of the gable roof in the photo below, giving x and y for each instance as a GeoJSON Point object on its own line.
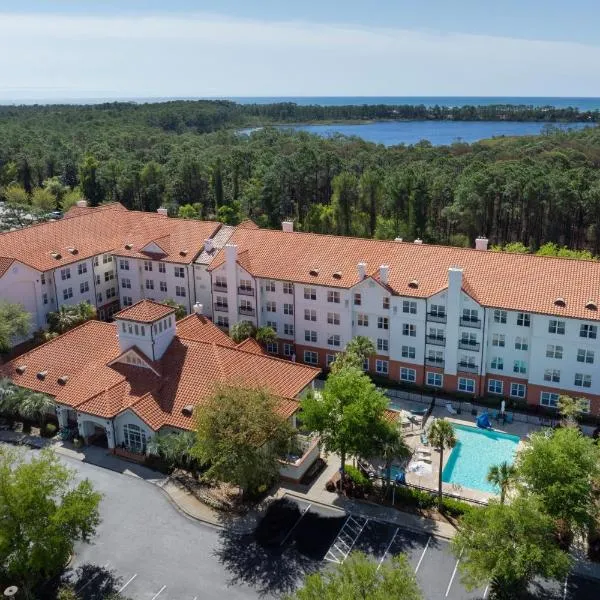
{"type": "Point", "coordinates": [145, 311]}
{"type": "Point", "coordinates": [521, 282]}
{"type": "Point", "coordinates": [251, 345]}
{"type": "Point", "coordinates": [198, 328]}
{"type": "Point", "coordinates": [5, 264]}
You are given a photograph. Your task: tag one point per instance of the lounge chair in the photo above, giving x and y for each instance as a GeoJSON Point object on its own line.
{"type": "Point", "coordinates": [451, 408]}
{"type": "Point", "coordinates": [423, 450]}
{"type": "Point", "coordinates": [424, 439]}
{"type": "Point", "coordinates": [508, 417]}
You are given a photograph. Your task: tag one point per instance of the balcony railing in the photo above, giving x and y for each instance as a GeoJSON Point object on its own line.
{"type": "Point", "coordinates": [435, 340]}
{"type": "Point", "coordinates": [221, 308]}
{"type": "Point", "coordinates": [473, 346]}
{"type": "Point", "coordinates": [434, 362]}
{"type": "Point", "coordinates": [246, 291]}
{"type": "Point", "coordinates": [219, 285]}
{"type": "Point", "coordinates": [245, 310]}
{"type": "Point", "coordinates": [467, 368]}
{"type": "Point", "coordinates": [466, 322]}
{"type": "Point", "coordinates": [436, 318]}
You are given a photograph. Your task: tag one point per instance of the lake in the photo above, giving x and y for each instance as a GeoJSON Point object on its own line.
{"type": "Point", "coordinates": [439, 133]}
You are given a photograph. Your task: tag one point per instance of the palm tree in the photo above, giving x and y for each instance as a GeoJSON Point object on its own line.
{"type": "Point", "coordinates": [175, 449]}
{"type": "Point", "coordinates": [35, 405]}
{"type": "Point", "coordinates": [393, 448]}
{"type": "Point", "coordinates": [265, 335]}
{"type": "Point", "coordinates": [180, 311]}
{"type": "Point", "coordinates": [441, 436]}
{"type": "Point", "coordinates": [503, 476]}
{"type": "Point", "coordinates": [9, 397]}
{"type": "Point", "coordinates": [361, 346]}
{"type": "Point", "coordinates": [68, 317]}
{"type": "Point", "coordinates": [241, 330]}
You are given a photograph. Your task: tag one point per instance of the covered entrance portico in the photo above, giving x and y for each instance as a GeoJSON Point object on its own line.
{"type": "Point", "coordinates": [95, 430]}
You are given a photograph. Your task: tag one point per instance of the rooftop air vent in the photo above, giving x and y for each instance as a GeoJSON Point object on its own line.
{"type": "Point", "coordinates": [183, 253]}
{"type": "Point", "coordinates": [413, 284]}
{"type": "Point", "coordinates": [42, 375]}
{"type": "Point", "coordinates": [560, 302]}
{"type": "Point", "coordinates": [418, 241]}
{"type": "Point", "coordinates": [188, 410]}
{"type": "Point", "coordinates": [21, 369]}
{"type": "Point", "coordinates": [337, 275]}
{"type": "Point", "coordinates": [314, 272]}
{"type": "Point", "coordinates": [73, 250]}
{"type": "Point", "coordinates": [128, 246]}
{"type": "Point", "coordinates": [62, 380]}
{"type": "Point", "coordinates": [56, 255]}
{"type": "Point", "coordinates": [591, 305]}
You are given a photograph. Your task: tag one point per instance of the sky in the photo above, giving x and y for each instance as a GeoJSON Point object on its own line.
{"type": "Point", "coordinates": [60, 49]}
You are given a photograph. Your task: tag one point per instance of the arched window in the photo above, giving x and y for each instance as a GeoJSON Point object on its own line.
{"type": "Point", "coordinates": [135, 438]}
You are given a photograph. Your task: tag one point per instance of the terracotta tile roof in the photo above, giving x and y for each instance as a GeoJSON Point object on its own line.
{"type": "Point", "coordinates": [190, 371]}
{"type": "Point", "coordinates": [519, 282]}
{"type": "Point", "coordinates": [251, 345]}
{"type": "Point", "coordinates": [93, 231]}
{"type": "Point", "coordinates": [77, 211]}
{"type": "Point", "coordinates": [145, 311]}
{"type": "Point", "coordinates": [5, 264]}
{"type": "Point", "coordinates": [201, 329]}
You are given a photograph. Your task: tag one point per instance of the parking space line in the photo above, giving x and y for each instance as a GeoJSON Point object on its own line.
{"type": "Point", "coordinates": [388, 547]}
{"type": "Point", "coordinates": [452, 578]}
{"type": "Point", "coordinates": [356, 538]}
{"type": "Point", "coordinates": [485, 592]}
{"type": "Point", "coordinates": [93, 577]}
{"type": "Point", "coordinates": [295, 525]}
{"type": "Point", "coordinates": [130, 580]}
{"type": "Point", "coordinates": [565, 587]}
{"type": "Point", "coordinates": [162, 589]}
{"type": "Point", "coordinates": [423, 555]}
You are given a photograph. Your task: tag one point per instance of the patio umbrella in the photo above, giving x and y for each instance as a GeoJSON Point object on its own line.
{"type": "Point", "coordinates": [502, 406]}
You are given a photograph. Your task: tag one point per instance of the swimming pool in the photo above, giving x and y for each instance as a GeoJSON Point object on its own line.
{"type": "Point", "coordinates": [475, 452]}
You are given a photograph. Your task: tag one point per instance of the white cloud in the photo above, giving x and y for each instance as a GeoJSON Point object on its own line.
{"type": "Point", "coordinates": [199, 54]}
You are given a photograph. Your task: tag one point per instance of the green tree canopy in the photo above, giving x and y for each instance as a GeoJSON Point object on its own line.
{"type": "Point", "coordinates": [180, 310]}
{"type": "Point", "coordinates": [241, 331]}
{"type": "Point", "coordinates": [502, 476]}
{"type": "Point", "coordinates": [15, 322]}
{"type": "Point", "coordinates": [69, 316]}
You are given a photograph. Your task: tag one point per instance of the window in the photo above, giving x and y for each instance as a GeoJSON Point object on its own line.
{"type": "Point", "coordinates": [499, 316]}
{"type": "Point", "coordinates": [333, 297]}
{"type": "Point", "coordinates": [270, 286]}
{"type": "Point", "coordinates": [408, 375]}
{"type": "Point", "coordinates": [521, 343]}
{"type": "Point", "coordinates": [180, 291]}
{"type": "Point", "coordinates": [434, 379]}
{"type": "Point", "coordinates": [553, 351]}
{"type": "Point", "coordinates": [497, 363]}
{"type": "Point", "coordinates": [134, 438]}
{"type": "Point", "coordinates": [45, 298]}
{"type": "Point", "coordinates": [65, 274]}
{"type": "Point", "coordinates": [519, 366]}
{"type": "Point", "coordinates": [81, 268]}
{"type": "Point", "coordinates": [466, 385]}
{"type": "Point", "coordinates": [495, 386]}
{"type": "Point", "coordinates": [365, 365]}
{"type": "Point", "coordinates": [435, 356]}
{"type": "Point", "coordinates": [469, 339]}
{"type": "Point", "coordinates": [271, 306]}
{"type": "Point", "coordinates": [438, 310]}
{"type": "Point", "coordinates": [123, 264]}
{"type": "Point", "coordinates": [162, 268]}
{"type": "Point", "coordinates": [357, 299]}
{"type": "Point", "coordinates": [409, 306]}
{"type": "Point", "coordinates": [221, 302]}
{"type": "Point", "coordinates": [43, 278]}
{"type": "Point", "coordinates": [409, 329]}
{"type": "Point", "coordinates": [329, 358]}
{"type": "Point", "coordinates": [310, 293]}
{"type": "Point", "coordinates": [147, 265]}
{"type": "Point", "coordinates": [499, 339]}
{"type": "Point", "coordinates": [384, 323]}
{"type": "Point", "coordinates": [288, 329]}
{"type": "Point", "coordinates": [246, 305]}
{"type": "Point", "coordinates": [222, 321]}
{"type": "Point", "coordinates": [179, 271]}
{"type": "Point", "coordinates": [333, 318]}
{"type": "Point", "coordinates": [288, 349]}
{"type": "Point", "coordinates": [221, 282]}
{"type": "Point", "coordinates": [467, 361]}
{"type": "Point", "coordinates": [311, 358]}
{"type": "Point", "coordinates": [310, 336]}
{"type": "Point", "coordinates": [99, 297]}
{"type": "Point", "coordinates": [67, 293]}
{"type": "Point", "coordinates": [517, 390]}
{"type": "Point", "coordinates": [385, 303]}
{"type": "Point", "coordinates": [383, 345]}
{"type": "Point", "coordinates": [310, 314]}
{"type": "Point", "coordinates": [149, 284]}
{"type": "Point", "coordinates": [333, 340]}
{"type": "Point", "coordinates": [409, 352]}
{"type": "Point", "coordinates": [588, 331]}
{"type": "Point", "coordinates": [585, 356]}
{"type": "Point", "coordinates": [245, 285]}
{"type": "Point", "coordinates": [381, 366]}
{"type": "Point", "coordinates": [127, 300]}
{"type": "Point", "coordinates": [552, 375]}
{"type": "Point", "coordinates": [582, 380]}
{"type": "Point", "coordinates": [106, 258]}
{"type": "Point", "coordinates": [273, 347]}
{"type": "Point", "coordinates": [549, 399]}
{"type": "Point", "coordinates": [288, 288]}
{"type": "Point", "coordinates": [435, 333]}
{"type": "Point", "coordinates": [163, 286]}
{"type": "Point", "coordinates": [84, 287]}
{"type": "Point", "coordinates": [126, 283]}
{"type": "Point", "coordinates": [470, 314]}
{"type": "Point", "coordinates": [557, 327]}
{"type": "Point", "coordinates": [97, 279]}
{"type": "Point", "coordinates": [524, 319]}
{"type": "Point", "coordinates": [362, 320]}
{"type": "Point", "coordinates": [111, 293]}
{"type": "Point", "coordinates": [95, 261]}
{"type": "Point", "coordinates": [108, 275]}
{"type": "Point", "coordinates": [288, 309]}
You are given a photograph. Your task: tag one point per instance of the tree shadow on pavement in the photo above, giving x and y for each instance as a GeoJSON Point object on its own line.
{"type": "Point", "coordinates": [93, 582]}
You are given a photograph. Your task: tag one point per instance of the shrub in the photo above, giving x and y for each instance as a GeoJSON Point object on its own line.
{"type": "Point", "coordinates": [357, 477]}
{"type": "Point", "coordinates": [414, 497]}
{"type": "Point", "coordinates": [455, 508]}
{"type": "Point", "coordinates": [49, 430]}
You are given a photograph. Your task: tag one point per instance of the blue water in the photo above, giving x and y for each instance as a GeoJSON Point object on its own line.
{"type": "Point", "coordinates": [439, 133]}
{"type": "Point", "coordinates": [476, 451]}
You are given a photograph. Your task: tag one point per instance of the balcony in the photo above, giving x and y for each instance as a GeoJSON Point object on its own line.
{"type": "Point", "coordinates": [475, 323]}
{"type": "Point", "coordinates": [435, 340]}
{"type": "Point", "coordinates": [221, 285]}
{"type": "Point", "coordinates": [472, 346]}
{"type": "Point", "coordinates": [467, 368]}
{"type": "Point", "coordinates": [221, 308]}
{"type": "Point", "coordinates": [246, 310]}
{"type": "Point", "coordinates": [246, 291]}
{"type": "Point", "coordinates": [436, 318]}
{"type": "Point", "coordinates": [434, 362]}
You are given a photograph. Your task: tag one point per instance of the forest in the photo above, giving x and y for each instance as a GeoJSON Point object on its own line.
{"type": "Point", "coordinates": [524, 192]}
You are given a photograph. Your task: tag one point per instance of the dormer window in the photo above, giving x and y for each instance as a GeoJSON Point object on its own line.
{"type": "Point", "coordinates": [413, 284]}
{"type": "Point", "coordinates": [591, 305]}
{"type": "Point", "coordinates": [337, 275]}
{"type": "Point", "coordinates": [128, 246]}
{"type": "Point", "coordinates": [42, 375]}
{"type": "Point", "coordinates": [21, 369]}
{"type": "Point", "coordinates": [560, 302]}
{"type": "Point", "coordinates": [313, 272]}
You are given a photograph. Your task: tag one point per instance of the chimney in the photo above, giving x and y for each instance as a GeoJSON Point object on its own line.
{"type": "Point", "coordinates": [230, 253]}
{"type": "Point", "coordinates": [418, 241]}
{"type": "Point", "coordinates": [208, 245]}
{"type": "Point", "coordinates": [481, 243]}
{"type": "Point", "coordinates": [198, 308]}
{"type": "Point", "coordinates": [162, 211]}
{"type": "Point", "coordinates": [81, 203]}
{"type": "Point", "coordinates": [397, 239]}
{"type": "Point", "coordinates": [287, 226]}
{"type": "Point", "coordinates": [384, 274]}
{"type": "Point", "coordinates": [362, 270]}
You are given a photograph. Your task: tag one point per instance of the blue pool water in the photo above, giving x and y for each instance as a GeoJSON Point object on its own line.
{"type": "Point", "coordinates": [476, 451]}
